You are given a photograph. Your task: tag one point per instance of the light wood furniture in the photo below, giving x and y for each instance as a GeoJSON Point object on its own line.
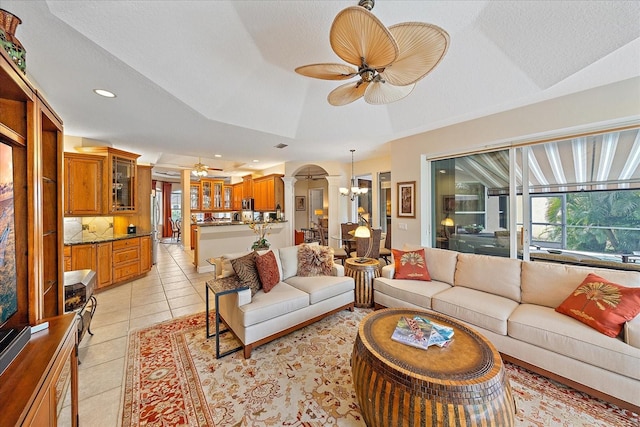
{"type": "Point", "coordinates": [247, 186]}
{"type": "Point", "coordinates": [34, 385]}
{"type": "Point", "coordinates": [83, 184]}
{"type": "Point", "coordinates": [268, 192]}
{"type": "Point", "coordinates": [194, 196]}
{"type": "Point", "coordinates": [363, 273]}
{"type": "Point", "coordinates": [238, 194]}
{"type": "Point", "coordinates": [114, 261]}
{"type": "Point", "coordinates": [465, 380]}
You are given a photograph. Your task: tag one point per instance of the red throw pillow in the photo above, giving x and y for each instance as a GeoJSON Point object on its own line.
{"type": "Point", "coordinates": [410, 265]}
{"type": "Point", "coordinates": [601, 304]}
{"type": "Point", "coordinates": [268, 270]}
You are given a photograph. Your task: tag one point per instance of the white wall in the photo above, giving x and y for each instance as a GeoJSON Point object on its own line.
{"type": "Point", "coordinates": [596, 109]}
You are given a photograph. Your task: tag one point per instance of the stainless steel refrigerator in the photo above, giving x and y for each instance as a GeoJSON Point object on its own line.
{"type": "Point", "coordinates": [155, 226]}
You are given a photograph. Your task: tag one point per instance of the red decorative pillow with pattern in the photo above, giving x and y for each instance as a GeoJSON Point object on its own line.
{"type": "Point", "coordinates": [601, 304]}
{"type": "Point", "coordinates": [410, 265]}
{"type": "Point", "coordinates": [268, 270]}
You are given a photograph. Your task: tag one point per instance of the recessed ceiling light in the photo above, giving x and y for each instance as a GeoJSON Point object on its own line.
{"type": "Point", "coordinates": [217, 155]}
{"type": "Point", "coordinates": [105, 93]}
{"type": "Point", "coordinates": [255, 161]}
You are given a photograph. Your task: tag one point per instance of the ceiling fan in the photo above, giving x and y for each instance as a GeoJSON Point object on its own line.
{"type": "Point", "coordinates": [389, 61]}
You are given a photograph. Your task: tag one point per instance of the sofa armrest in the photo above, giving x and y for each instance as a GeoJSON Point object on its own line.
{"type": "Point", "coordinates": [632, 332]}
{"type": "Point", "coordinates": [337, 270]}
{"type": "Point", "coordinates": [388, 271]}
{"type": "Point", "coordinates": [244, 297]}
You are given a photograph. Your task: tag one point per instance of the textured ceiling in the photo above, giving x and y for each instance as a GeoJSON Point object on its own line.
{"type": "Point", "coordinates": [198, 78]}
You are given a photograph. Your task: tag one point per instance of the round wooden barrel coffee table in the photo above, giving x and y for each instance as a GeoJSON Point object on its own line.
{"type": "Point", "coordinates": [462, 384]}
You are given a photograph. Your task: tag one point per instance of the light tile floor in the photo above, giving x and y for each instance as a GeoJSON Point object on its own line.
{"type": "Point", "coordinates": [172, 288]}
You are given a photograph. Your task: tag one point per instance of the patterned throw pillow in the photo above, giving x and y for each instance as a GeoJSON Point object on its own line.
{"type": "Point", "coordinates": [601, 304]}
{"type": "Point", "coordinates": [245, 268]}
{"type": "Point", "coordinates": [268, 270]}
{"type": "Point", "coordinates": [314, 260]}
{"type": "Point", "coordinates": [410, 265]}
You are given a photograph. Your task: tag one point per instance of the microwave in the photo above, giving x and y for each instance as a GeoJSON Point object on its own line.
{"type": "Point", "coordinates": [247, 204]}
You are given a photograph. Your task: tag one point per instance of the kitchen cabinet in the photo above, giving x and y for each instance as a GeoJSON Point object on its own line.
{"type": "Point", "coordinates": [67, 258]}
{"type": "Point", "coordinates": [145, 254]}
{"type": "Point", "coordinates": [83, 184]}
{"type": "Point", "coordinates": [268, 192]}
{"type": "Point", "coordinates": [194, 196]}
{"type": "Point", "coordinates": [118, 184]}
{"type": "Point", "coordinates": [83, 257]}
{"type": "Point", "coordinates": [247, 186]}
{"type": "Point", "coordinates": [206, 195]}
{"type": "Point", "coordinates": [227, 199]}
{"type": "Point", "coordinates": [126, 259]}
{"type": "Point", "coordinates": [104, 273]}
{"type": "Point", "coordinates": [237, 196]}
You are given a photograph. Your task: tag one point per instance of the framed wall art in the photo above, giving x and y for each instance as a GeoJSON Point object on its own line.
{"type": "Point", "coordinates": [301, 203]}
{"type": "Point", "coordinates": [406, 200]}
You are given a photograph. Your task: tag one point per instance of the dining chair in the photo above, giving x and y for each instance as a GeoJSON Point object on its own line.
{"type": "Point", "coordinates": [345, 228]}
{"type": "Point", "coordinates": [362, 245]}
{"type": "Point", "coordinates": [338, 253]}
{"type": "Point", "coordinates": [385, 251]}
{"type": "Point", "coordinates": [175, 229]}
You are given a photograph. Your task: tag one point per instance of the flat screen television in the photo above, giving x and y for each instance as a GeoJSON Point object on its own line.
{"type": "Point", "coordinates": [12, 340]}
{"type": "Point", "coordinates": [8, 279]}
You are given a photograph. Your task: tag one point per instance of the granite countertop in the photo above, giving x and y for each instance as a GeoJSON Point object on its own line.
{"type": "Point", "coordinates": [223, 223]}
{"type": "Point", "coordinates": [101, 239]}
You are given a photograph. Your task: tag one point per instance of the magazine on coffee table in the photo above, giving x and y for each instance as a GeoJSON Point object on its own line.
{"type": "Point", "coordinates": [421, 333]}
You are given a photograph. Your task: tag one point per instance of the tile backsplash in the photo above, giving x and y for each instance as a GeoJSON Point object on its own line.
{"type": "Point", "coordinates": [87, 228]}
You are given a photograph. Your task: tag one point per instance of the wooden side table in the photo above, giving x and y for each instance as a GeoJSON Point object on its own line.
{"type": "Point", "coordinates": [363, 272]}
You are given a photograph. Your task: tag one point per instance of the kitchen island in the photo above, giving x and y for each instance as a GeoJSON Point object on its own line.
{"type": "Point", "coordinates": [217, 238]}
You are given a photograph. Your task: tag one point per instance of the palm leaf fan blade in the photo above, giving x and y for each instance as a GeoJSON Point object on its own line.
{"type": "Point", "coordinates": [380, 92]}
{"type": "Point", "coordinates": [422, 47]}
{"type": "Point", "coordinates": [356, 34]}
{"type": "Point", "coordinates": [327, 71]}
{"type": "Point", "coordinates": [347, 93]}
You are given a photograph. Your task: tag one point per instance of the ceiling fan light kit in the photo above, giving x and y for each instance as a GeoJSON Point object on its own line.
{"type": "Point", "coordinates": [389, 61]}
{"type": "Point", "coordinates": [200, 169]}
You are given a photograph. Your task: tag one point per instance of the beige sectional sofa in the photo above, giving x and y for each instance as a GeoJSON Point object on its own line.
{"type": "Point", "coordinates": [292, 304]}
{"type": "Point", "coordinates": [512, 303]}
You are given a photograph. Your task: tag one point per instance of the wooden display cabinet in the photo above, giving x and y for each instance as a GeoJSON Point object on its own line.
{"type": "Point", "coordinates": [227, 198]}
{"type": "Point", "coordinates": [206, 195]}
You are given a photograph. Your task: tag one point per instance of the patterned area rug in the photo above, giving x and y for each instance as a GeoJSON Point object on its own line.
{"type": "Point", "coordinates": [303, 379]}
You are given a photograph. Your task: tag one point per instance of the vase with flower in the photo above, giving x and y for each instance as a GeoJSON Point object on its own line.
{"type": "Point", "coordinates": [262, 230]}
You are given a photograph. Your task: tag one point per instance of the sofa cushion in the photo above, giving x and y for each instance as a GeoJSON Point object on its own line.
{"type": "Point", "coordinates": [225, 260]}
{"type": "Point", "coordinates": [601, 304]}
{"type": "Point", "coordinates": [548, 284]}
{"type": "Point", "coordinates": [314, 260]}
{"type": "Point", "coordinates": [289, 261]}
{"type": "Point", "coordinates": [495, 275]}
{"type": "Point", "coordinates": [282, 299]}
{"type": "Point", "coordinates": [320, 288]}
{"type": "Point", "coordinates": [245, 268]}
{"type": "Point", "coordinates": [268, 270]}
{"type": "Point", "coordinates": [486, 310]}
{"type": "Point", "coordinates": [543, 327]}
{"type": "Point", "coordinates": [410, 265]}
{"type": "Point", "coordinates": [413, 291]}
{"type": "Point", "coordinates": [441, 263]}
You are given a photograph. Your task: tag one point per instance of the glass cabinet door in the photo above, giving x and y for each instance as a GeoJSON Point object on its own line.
{"type": "Point", "coordinates": [194, 196]}
{"type": "Point", "coordinates": [123, 178]}
{"type": "Point", "coordinates": [217, 194]}
{"type": "Point", "coordinates": [205, 189]}
{"type": "Point", "coordinates": [228, 196]}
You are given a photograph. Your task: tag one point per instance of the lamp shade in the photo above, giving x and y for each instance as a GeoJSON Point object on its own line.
{"type": "Point", "coordinates": [362, 231]}
{"type": "Point", "coordinates": [447, 222]}
{"type": "Point", "coordinates": [318, 212]}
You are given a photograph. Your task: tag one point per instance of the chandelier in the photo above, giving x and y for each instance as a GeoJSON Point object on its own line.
{"type": "Point", "coordinates": [200, 169]}
{"type": "Point", "coordinates": [354, 191]}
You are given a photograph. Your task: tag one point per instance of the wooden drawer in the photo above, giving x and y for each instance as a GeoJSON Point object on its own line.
{"type": "Point", "coordinates": [126, 243]}
{"type": "Point", "coordinates": [125, 271]}
{"type": "Point", "coordinates": [126, 255]}
{"type": "Point", "coordinates": [67, 250]}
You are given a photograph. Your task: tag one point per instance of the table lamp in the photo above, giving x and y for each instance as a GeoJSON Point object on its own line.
{"type": "Point", "coordinates": [447, 222]}
{"type": "Point", "coordinates": [363, 232]}
{"type": "Point", "coordinates": [318, 213]}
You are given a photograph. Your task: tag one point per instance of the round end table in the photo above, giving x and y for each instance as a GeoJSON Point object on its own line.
{"type": "Point", "coordinates": [363, 271]}
{"type": "Point", "coordinates": [397, 384]}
